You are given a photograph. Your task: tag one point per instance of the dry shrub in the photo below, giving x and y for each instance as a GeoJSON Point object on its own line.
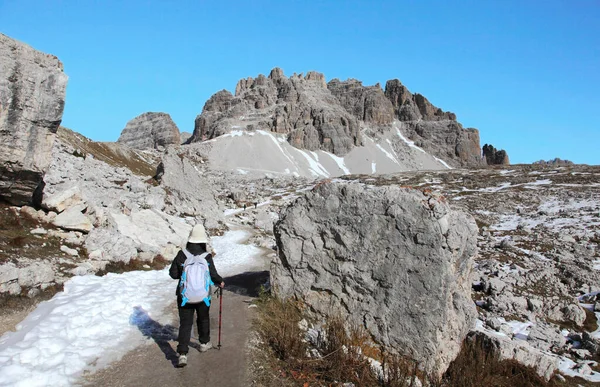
{"type": "Point", "coordinates": [478, 365]}
{"type": "Point", "coordinates": [159, 262]}
{"type": "Point", "coordinates": [344, 350]}
{"type": "Point", "coordinates": [277, 326]}
{"type": "Point", "coordinates": [343, 354]}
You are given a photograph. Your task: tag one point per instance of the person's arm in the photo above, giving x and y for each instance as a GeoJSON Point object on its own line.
{"type": "Point", "coordinates": [214, 275]}
{"type": "Point", "coordinates": [177, 266]}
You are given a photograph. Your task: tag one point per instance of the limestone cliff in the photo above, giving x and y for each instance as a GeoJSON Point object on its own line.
{"type": "Point", "coordinates": [32, 98]}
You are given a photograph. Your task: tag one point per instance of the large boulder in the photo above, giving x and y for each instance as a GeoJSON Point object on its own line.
{"type": "Point", "coordinates": [394, 260]}
{"type": "Point", "coordinates": [150, 131]}
{"type": "Point", "coordinates": [32, 98]}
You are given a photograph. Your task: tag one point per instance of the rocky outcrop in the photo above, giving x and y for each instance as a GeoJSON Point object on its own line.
{"type": "Point", "coordinates": [191, 194]}
{"type": "Point", "coordinates": [150, 130]}
{"type": "Point", "coordinates": [555, 162]}
{"type": "Point", "coordinates": [368, 104]}
{"type": "Point", "coordinates": [300, 106]}
{"type": "Point", "coordinates": [32, 98]}
{"type": "Point", "coordinates": [432, 129]}
{"type": "Point", "coordinates": [495, 157]}
{"type": "Point", "coordinates": [396, 261]}
{"type": "Point", "coordinates": [185, 136]}
{"type": "Point", "coordinates": [327, 116]}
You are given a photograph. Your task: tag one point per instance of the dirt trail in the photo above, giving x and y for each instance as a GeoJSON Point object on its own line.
{"type": "Point", "coordinates": [154, 364]}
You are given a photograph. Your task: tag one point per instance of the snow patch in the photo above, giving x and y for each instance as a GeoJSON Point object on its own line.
{"type": "Point", "coordinates": [96, 320]}
{"type": "Point", "coordinates": [340, 162]}
{"type": "Point", "coordinates": [409, 142]}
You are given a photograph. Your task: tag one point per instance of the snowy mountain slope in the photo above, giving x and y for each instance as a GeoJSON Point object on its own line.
{"type": "Point", "coordinates": [261, 152]}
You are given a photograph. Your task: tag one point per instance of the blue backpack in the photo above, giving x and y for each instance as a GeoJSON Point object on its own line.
{"type": "Point", "coordinates": [195, 281]}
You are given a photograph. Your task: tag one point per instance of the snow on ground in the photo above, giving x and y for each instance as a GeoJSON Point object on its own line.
{"type": "Point", "coordinates": [597, 264]}
{"type": "Point", "coordinates": [231, 255]}
{"type": "Point", "coordinates": [409, 142]}
{"type": "Point", "coordinates": [96, 320]}
{"type": "Point", "coordinates": [567, 367]}
{"type": "Point", "coordinates": [443, 162]}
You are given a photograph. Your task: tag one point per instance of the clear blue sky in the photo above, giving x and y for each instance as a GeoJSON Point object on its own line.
{"type": "Point", "coordinates": [525, 73]}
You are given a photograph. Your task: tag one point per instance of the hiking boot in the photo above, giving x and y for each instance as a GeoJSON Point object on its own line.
{"type": "Point", "coordinates": [205, 347]}
{"type": "Point", "coordinates": [182, 361]}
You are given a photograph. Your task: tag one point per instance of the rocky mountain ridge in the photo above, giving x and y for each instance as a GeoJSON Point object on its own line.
{"type": "Point", "coordinates": [333, 117]}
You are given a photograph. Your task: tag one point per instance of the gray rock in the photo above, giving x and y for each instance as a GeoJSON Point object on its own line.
{"type": "Point", "coordinates": [494, 156]}
{"type": "Point", "coordinates": [32, 95]}
{"type": "Point", "coordinates": [544, 363]}
{"type": "Point", "coordinates": [301, 107]}
{"type": "Point", "coordinates": [36, 274]}
{"type": "Point", "coordinates": [39, 231]}
{"type": "Point", "coordinates": [69, 251]}
{"type": "Point", "coordinates": [545, 337]}
{"type": "Point", "coordinates": [394, 260]}
{"type": "Point", "coordinates": [73, 219]}
{"type": "Point", "coordinates": [574, 313]}
{"type": "Point", "coordinates": [590, 343]}
{"type": "Point", "coordinates": [61, 200]}
{"type": "Point", "coordinates": [185, 136]}
{"type": "Point", "coordinates": [8, 273]}
{"type": "Point", "coordinates": [150, 130]}
{"type": "Point", "coordinates": [368, 104]}
{"type": "Point", "coordinates": [556, 161]}
{"type": "Point", "coordinates": [432, 129]}
{"type": "Point", "coordinates": [190, 193]}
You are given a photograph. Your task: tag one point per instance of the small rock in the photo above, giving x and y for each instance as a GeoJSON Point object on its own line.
{"type": "Point", "coordinates": [33, 292]}
{"type": "Point", "coordinates": [69, 251]}
{"type": "Point", "coordinates": [581, 353]}
{"type": "Point", "coordinates": [583, 369]}
{"type": "Point", "coordinates": [494, 323]}
{"type": "Point", "coordinates": [39, 231]}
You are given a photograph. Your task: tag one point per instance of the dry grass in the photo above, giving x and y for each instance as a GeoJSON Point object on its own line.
{"type": "Point", "coordinates": [14, 303]}
{"type": "Point", "coordinates": [16, 241]}
{"type": "Point", "coordinates": [158, 263]}
{"type": "Point", "coordinates": [344, 351]}
{"type": "Point", "coordinates": [110, 153]}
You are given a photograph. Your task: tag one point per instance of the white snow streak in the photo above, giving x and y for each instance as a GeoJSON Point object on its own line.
{"type": "Point", "coordinates": [340, 162]}
{"type": "Point", "coordinates": [409, 142]}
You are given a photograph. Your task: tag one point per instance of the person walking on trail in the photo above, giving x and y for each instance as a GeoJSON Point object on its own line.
{"type": "Point", "coordinates": [196, 271]}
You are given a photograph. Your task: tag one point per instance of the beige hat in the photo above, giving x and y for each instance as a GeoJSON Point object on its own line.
{"type": "Point", "coordinates": [198, 235]}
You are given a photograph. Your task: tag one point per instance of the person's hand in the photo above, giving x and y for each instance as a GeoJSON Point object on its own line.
{"type": "Point", "coordinates": [222, 285]}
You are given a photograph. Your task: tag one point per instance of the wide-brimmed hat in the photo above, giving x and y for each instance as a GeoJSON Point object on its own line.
{"type": "Point", "coordinates": [198, 235]}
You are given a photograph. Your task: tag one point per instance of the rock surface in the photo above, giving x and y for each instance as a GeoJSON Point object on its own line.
{"type": "Point", "coordinates": [315, 115]}
{"type": "Point", "coordinates": [32, 98]}
{"type": "Point", "coordinates": [299, 106]}
{"type": "Point", "coordinates": [150, 130]}
{"type": "Point", "coordinates": [494, 156]}
{"type": "Point", "coordinates": [556, 161]}
{"type": "Point", "coordinates": [394, 260]}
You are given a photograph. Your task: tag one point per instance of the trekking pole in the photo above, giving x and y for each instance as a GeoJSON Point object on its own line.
{"type": "Point", "coordinates": [220, 314]}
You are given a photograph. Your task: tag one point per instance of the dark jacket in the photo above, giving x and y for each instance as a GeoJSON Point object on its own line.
{"type": "Point", "coordinates": [176, 270]}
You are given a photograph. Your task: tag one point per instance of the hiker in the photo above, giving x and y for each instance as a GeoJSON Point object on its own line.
{"type": "Point", "coordinates": [192, 300]}
{"type": "Point", "coordinates": [255, 204]}
{"type": "Point", "coordinates": [244, 206]}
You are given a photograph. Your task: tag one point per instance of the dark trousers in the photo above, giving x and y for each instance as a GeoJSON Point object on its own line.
{"type": "Point", "coordinates": [186, 320]}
